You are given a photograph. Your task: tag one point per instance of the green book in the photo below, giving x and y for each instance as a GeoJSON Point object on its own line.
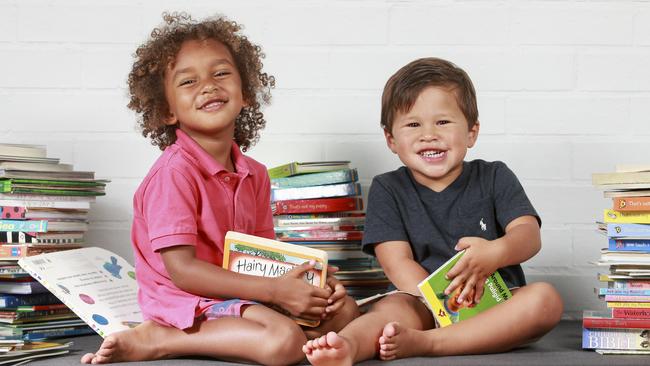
{"type": "Point", "coordinates": [316, 179]}
{"type": "Point", "coordinates": [295, 168]}
{"type": "Point", "coordinates": [445, 308]}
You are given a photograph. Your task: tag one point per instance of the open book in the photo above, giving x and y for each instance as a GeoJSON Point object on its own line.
{"type": "Point", "coordinates": [98, 285]}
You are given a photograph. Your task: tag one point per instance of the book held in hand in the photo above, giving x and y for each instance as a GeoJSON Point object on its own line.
{"type": "Point", "coordinates": [253, 255]}
{"type": "Point", "coordinates": [445, 308]}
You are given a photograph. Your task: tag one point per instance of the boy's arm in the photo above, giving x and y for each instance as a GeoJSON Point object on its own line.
{"type": "Point", "coordinates": [483, 257]}
{"type": "Point", "coordinates": [201, 278]}
{"type": "Point", "coordinates": [396, 258]}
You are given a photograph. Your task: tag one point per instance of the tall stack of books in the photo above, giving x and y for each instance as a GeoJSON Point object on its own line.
{"type": "Point", "coordinates": [44, 206]}
{"type": "Point", "coordinates": [319, 204]}
{"type": "Point", "coordinates": [624, 328]}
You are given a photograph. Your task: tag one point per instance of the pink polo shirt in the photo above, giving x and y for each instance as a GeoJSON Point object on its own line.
{"type": "Point", "coordinates": [189, 199]}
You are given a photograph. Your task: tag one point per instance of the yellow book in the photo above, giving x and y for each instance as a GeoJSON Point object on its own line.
{"type": "Point", "coordinates": [632, 217]}
{"type": "Point", "coordinates": [614, 304]}
{"type": "Point", "coordinates": [256, 256]}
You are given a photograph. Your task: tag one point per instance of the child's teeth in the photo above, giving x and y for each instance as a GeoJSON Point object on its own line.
{"type": "Point", "coordinates": [431, 154]}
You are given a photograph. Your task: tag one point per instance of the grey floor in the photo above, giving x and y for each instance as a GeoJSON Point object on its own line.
{"type": "Point", "coordinates": [560, 347]}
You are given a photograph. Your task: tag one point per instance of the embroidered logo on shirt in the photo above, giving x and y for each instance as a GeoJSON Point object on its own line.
{"type": "Point", "coordinates": [483, 226]}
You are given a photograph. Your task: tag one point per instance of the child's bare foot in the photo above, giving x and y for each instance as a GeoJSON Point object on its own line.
{"type": "Point", "coordinates": [136, 344]}
{"type": "Point", "coordinates": [329, 350]}
{"type": "Point", "coordinates": [399, 342]}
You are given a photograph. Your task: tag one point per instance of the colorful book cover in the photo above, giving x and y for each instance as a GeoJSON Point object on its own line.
{"type": "Point", "coordinates": [632, 339]}
{"type": "Point", "coordinates": [258, 256]}
{"type": "Point", "coordinates": [317, 205]}
{"type": "Point", "coordinates": [631, 313]}
{"type": "Point", "coordinates": [631, 305]}
{"type": "Point", "coordinates": [604, 319]}
{"type": "Point", "coordinates": [98, 285]}
{"type": "Point", "coordinates": [623, 291]}
{"type": "Point", "coordinates": [316, 179]}
{"type": "Point", "coordinates": [629, 244]}
{"type": "Point", "coordinates": [37, 226]}
{"type": "Point", "coordinates": [633, 217]}
{"type": "Point", "coordinates": [294, 168]}
{"type": "Point", "coordinates": [331, 190]}
{"type": "Point", "coordinates": [631, 203]}
{"type": "Point", "coordinates": [628, 230]}
{"type": "Point", "coordinates": [446, 308]}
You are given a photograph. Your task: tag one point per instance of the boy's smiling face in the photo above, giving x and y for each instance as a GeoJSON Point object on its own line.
{"type": "Point", "coordinates": [432, 138]}
{"type": "Point", "coordinates": [204, 90]}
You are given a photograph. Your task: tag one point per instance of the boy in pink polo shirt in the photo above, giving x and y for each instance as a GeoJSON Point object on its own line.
{"type": "Point", "coordinates": [198, 87]}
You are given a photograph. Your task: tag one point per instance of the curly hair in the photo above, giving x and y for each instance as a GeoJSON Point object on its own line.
{"type": "Point", "coordinates": [146, 79]}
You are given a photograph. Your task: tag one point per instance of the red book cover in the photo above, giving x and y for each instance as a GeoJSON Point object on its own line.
{"type": "Point", "coordinates": [317, 205]}
{"type": "Point", "coordinates": [631, 313]}
{"type": "Point", "coordinates": [12, 212]}
{"type": "Point", "coordinates": [631, 203]}
{"type": "Point", "coordinates": [598, 322]}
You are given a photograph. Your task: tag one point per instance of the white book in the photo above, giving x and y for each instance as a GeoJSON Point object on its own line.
{"type": "Point", "coordinates": [79, 205]}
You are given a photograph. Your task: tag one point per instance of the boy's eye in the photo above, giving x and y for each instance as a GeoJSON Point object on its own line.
{"type": "Point", "coordinates": [443, 122]}
{"type": "Point", "coordinates": [221, 73]}
{"type": "Point", "coordinates": [413, 124]}
{"type": "Point", "coordinates": [186, 82]}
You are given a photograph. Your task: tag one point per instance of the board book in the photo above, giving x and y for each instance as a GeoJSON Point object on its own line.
{"type": "Point", "coordinates": [253, 255]}
{"type": "Point", "coordinates": [98, 285]}
{"type": "Point", "coordinates": [294, 168]}
{"type": "Point", "coordinates": [446, 310]}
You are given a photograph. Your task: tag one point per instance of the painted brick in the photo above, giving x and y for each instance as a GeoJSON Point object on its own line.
{"type": "Point", "coordinates": [273, 150]}
{"type": "Point", "coordinates": [602, 155]}
{"type": "Point", "coordinates": [8, 22]}
{"type": "Point", "coordinates": [117, 205]}
{"type": "Point", "coordinates": [640, 110]}
{"type": "Point", "coordinates": [106, 67]}
{"type": "Point", "coordinates": [587, 243]}
{"type": "Point", "coordinates": [556, 249]}
{"type": "Point", "coordinates": [619, 70]}
{"type": "Point", "coordinates": [420, 24]}
{"type": "Point", "coordinates": [113, 236]}
{"type": "Point", "coordinates": [558, 115]}
{"type": "Point", "coordinates": [642, 26]}
{"type": "Point", "coordinates": [298, 68]}
{"type": "Point", "coordinates": [28, 69]}
{"type": "Point", "coordinates": [564, 23]}
{"type": "Point", "coordinates": [370, 155]}
{"type": "Point", "coordinates": [560, 204]}
{"type": "Point", "coordinates": [131, 156]}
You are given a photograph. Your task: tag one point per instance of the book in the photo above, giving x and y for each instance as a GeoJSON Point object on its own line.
{"type": "Point", "coordinates": [627, 193]}
{"type": "Point", "coordinates": [631, 305]}
{"type": "Point", "coordinates": [446, 308]}
{"type": "Point", "coordinates": [622, 291]}
{"type": "Point", "coordinates": [253, 255]}
{"type": "Point", "coordinates": [39, 226]}
{"type": "Point", "coordinates": [626, 204]}
{"type": "Point", "coordinates": [626, 298]}
{"type": "Point", "coordinates": [34, 350]}
{"type": "Point", "coordinates": [317, 205]}
{"type": "Point", "coordinates": [618, 217]}
{"type": "Point", "coordinates": [37, 167]}
{"type": "Point", "coordinates": [52, 202]}
{"type": "Point", "coordinates": [356, 219]}
{"type": "Point", "coordinates": [15, 252]}
{"type": "Point", "coordinates": [14, 301]}
{"type": "Point", "coordinates": [629, 244]}
{"type": "Point", "coordinates": [604, 319]}
{"type": "Point", "coordinates": [294, 168]}
{"type": "Point", "coordinates": [47, 175]}
{"type": "Point", "coordinates": [23, 150]}
{"type": "Point", "coordinates": [98, 285]}
{"type": "Point", "coordinates": [633, 313]}
{"type": "Point", "coordinates": [608, 256]}
{"type": "Point", "coordinates": [331, 190]}
{"type": "Point", "coordinates": [620, 178]}
{"type": "Point", "coordinates": [21, 287]}
{"type": "Point", "coordinates": [623, 186]}
{"type": "Point", "coordinates": [632, 284]}
{"type": "Point", "coordinates": [632, 339]}
{"type": "Point", "coordinates": [19, 237]}
{"type": "Point", "coordinates": [316, 179]}
{"type": "Point", "coordinates": [625, 168]}
{"type": "Point", "coordinates": [51, 187]}
{"type": "Point", "coordinates": [628, 230]}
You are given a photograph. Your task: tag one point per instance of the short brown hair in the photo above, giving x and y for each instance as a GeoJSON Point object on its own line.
{"type": "Point", "coordinates": [146, 79]}
{"type": "Point", "coordinates": [403, 88]}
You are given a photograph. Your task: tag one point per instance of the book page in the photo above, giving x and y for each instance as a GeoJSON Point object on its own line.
{"type": "Point", "coordinates": [98, 285]}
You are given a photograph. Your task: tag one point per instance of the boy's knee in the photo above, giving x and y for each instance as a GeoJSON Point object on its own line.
{"type": "Point", "coordinates": [547, 305]}
{"type": "Point", "coordinates": [283, 344]}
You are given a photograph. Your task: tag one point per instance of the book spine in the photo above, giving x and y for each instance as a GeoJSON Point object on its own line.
{"type": "Point", "coordinates": [627, 204]}
{"type": "Point", "coordinates": [315, 235]}
{"type": "Point", "coordinates": [634, 305]}
{"type": "Point", "coordinates": [42, 334]}
{"type": "Point", "coordinates": [316, 179]}
{"type": "Point", "coordinates": [627, 245]}
{"type": "Point", "coordinates": [81, 205]}
{"type": "Point", "coordinates": [627, 298]}
{"type": "Point", "coordinates": [317, 205]}
{"type": "Point", "coordinates": [613, 216]}
{"type": "Point", "coordinates": [615, 323]}
{"type": "Point", "coordinates": [9, 237]}
{"type": "Point", "coordinates": [637, 284]}
{"type": "Point", "coordinates": [36, 226]}
{"type": "Point", "coordinates": [13, 301]}
{"type": "Point", "coordinates": [334, 222]}
{"type": "Point", "coordinates": [614, 338]}
{"type": "Point", "coordinates": [628, 230]}
{"type": "Point", "coordinates": [624, 313]}
{"type": "Point", "coordinates": [13, 212]}
{"type": "Point", "coordinates": [623, 291]}
{"type": "Point", "coordinates": [282, 171]}
{"type": "Point", "coordinates": [333, 190]}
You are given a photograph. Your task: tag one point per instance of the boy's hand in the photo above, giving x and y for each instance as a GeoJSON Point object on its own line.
{"type": "Point", "coordinates": [299, 298]}
{"type": "Point", "coordinates": [478, 263]}
{"type": "Point", "coordinates": [337, 298]}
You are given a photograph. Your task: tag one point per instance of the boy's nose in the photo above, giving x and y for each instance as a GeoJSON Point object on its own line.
{"type": "Point", "coordinates": [209, 87]}
{"type": "Point", "coordinates": [429, 134]}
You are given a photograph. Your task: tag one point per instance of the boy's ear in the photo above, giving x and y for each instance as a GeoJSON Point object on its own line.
{"type": "Point", "coordinates": [472, 134]}
{"type": "Point", "coordinates": [390, 141]}
{"type": "Point", "coordinates": [171, 119]}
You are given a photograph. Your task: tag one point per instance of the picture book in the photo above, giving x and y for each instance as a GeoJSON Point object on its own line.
{"type": "Point", "coordinates": [604, 319]}
{"type": "Point", "coordinates": [316, 179]}
{"type": "Point", "coordinates": [294, 168]}
{"type": "Point", "coordinates": [619, 217]}
{"type": "Point", "coordinates": [446, 308]}
{"type": "Point", "coordinates": [631, 313]}
{"type": "Point", "coordinates": [624, 245]}
{"type": "Point", "coordinates": [317, 205]}
{"type": "Point", "coordinates": [330, 190]}
{"type": "Point", "coordinates": [620, 178]}
{"type": "Point", "coordinates": [98, 285]}
{"type": "Point", "coordinates": [628, 230]}
{"type": "Point", "coordinates": [632, 339]}
{"type": "Point", "coordinates": [625, 193]}
{"type": "Point", "coordinates": [631, 203]}
{"type": "Point", "coordinates": [253, 255]}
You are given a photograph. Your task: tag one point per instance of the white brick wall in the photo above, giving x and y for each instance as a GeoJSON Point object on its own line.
{"type": "Point", "coordinates": [564, 91]}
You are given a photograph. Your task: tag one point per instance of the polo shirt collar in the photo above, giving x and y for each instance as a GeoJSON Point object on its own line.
{"type": "Point", "coordinates": [206, 162]}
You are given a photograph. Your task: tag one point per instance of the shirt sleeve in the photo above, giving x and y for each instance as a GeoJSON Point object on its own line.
{"type": "Point", "coordinates": [383, 218]}
{"type": "Point", "coordinates": [264, 215]}
{"type": "Point", "coordinates": [170, 209]}
{"type": "Point", "coordinates": [511, 201]}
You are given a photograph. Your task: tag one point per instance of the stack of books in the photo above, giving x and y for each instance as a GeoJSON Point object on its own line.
{"type": "Point", "coordinates": [624, 328]}
{"type": "Point", "coordinates": [319, 204]}
{"type": "Point", "coordinates": [19, 353]}
{"type": "Point", "coordinates": [44, 206]}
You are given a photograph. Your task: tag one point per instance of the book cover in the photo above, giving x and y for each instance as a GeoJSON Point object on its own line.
{"type": "Point", "coordinates": [604, 319]}
{"type": "Point", "coordinates": [253, 255]}
{"type": "Point", "coordinates": [631, 284]}
{"type": "Point", "coordinates": [628, 230]}
{"type": "Point", "coordinates": [445, 308]}
{"type": "Point", "coordinates": [332, 190]}
{"type": "Point", "coordinates": [294, 168]}
{"type": "Point", "coordinates": [37, 167]}
{"type": "Point", "coordinates": [631, 313]}
{"type": "Point", "coordinates": [317, 205]}
{"type": "Point", "coordinates": [98, 285]}
{"type": "Point", "coordinates": [623, 291]}
{"type": "Point", "coordinates": [618, 217]}
{"type": "Point", "coordinates": [316, 179]}
{"type": "Point", "coordinates": [632, 339]}
{"type": "Point", "coordinates": [317, 235]}
{"type": "Point", "coordinates": [631, 203]}
{"type": "Point", "coordinates": [23, 150]}
{"type": "Point", "coordinates": [37, 226]}
{"type": "Point", "coordinates": [628, 245]}
{"type": "Point", "coordinates": [52, 202]}
{"type": "Point", "coordinates": [626, 298]}
{"type": "Point", "coordinates": [14, 252]}
{"type": "Point", "coordinates": [620, 178]}
{"type": "Point", "coordinates": [631, 305]}
{"type": "Point", "coordinates": [307, 220]}
{"type": "Point", "coordinates": [14, 301]}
